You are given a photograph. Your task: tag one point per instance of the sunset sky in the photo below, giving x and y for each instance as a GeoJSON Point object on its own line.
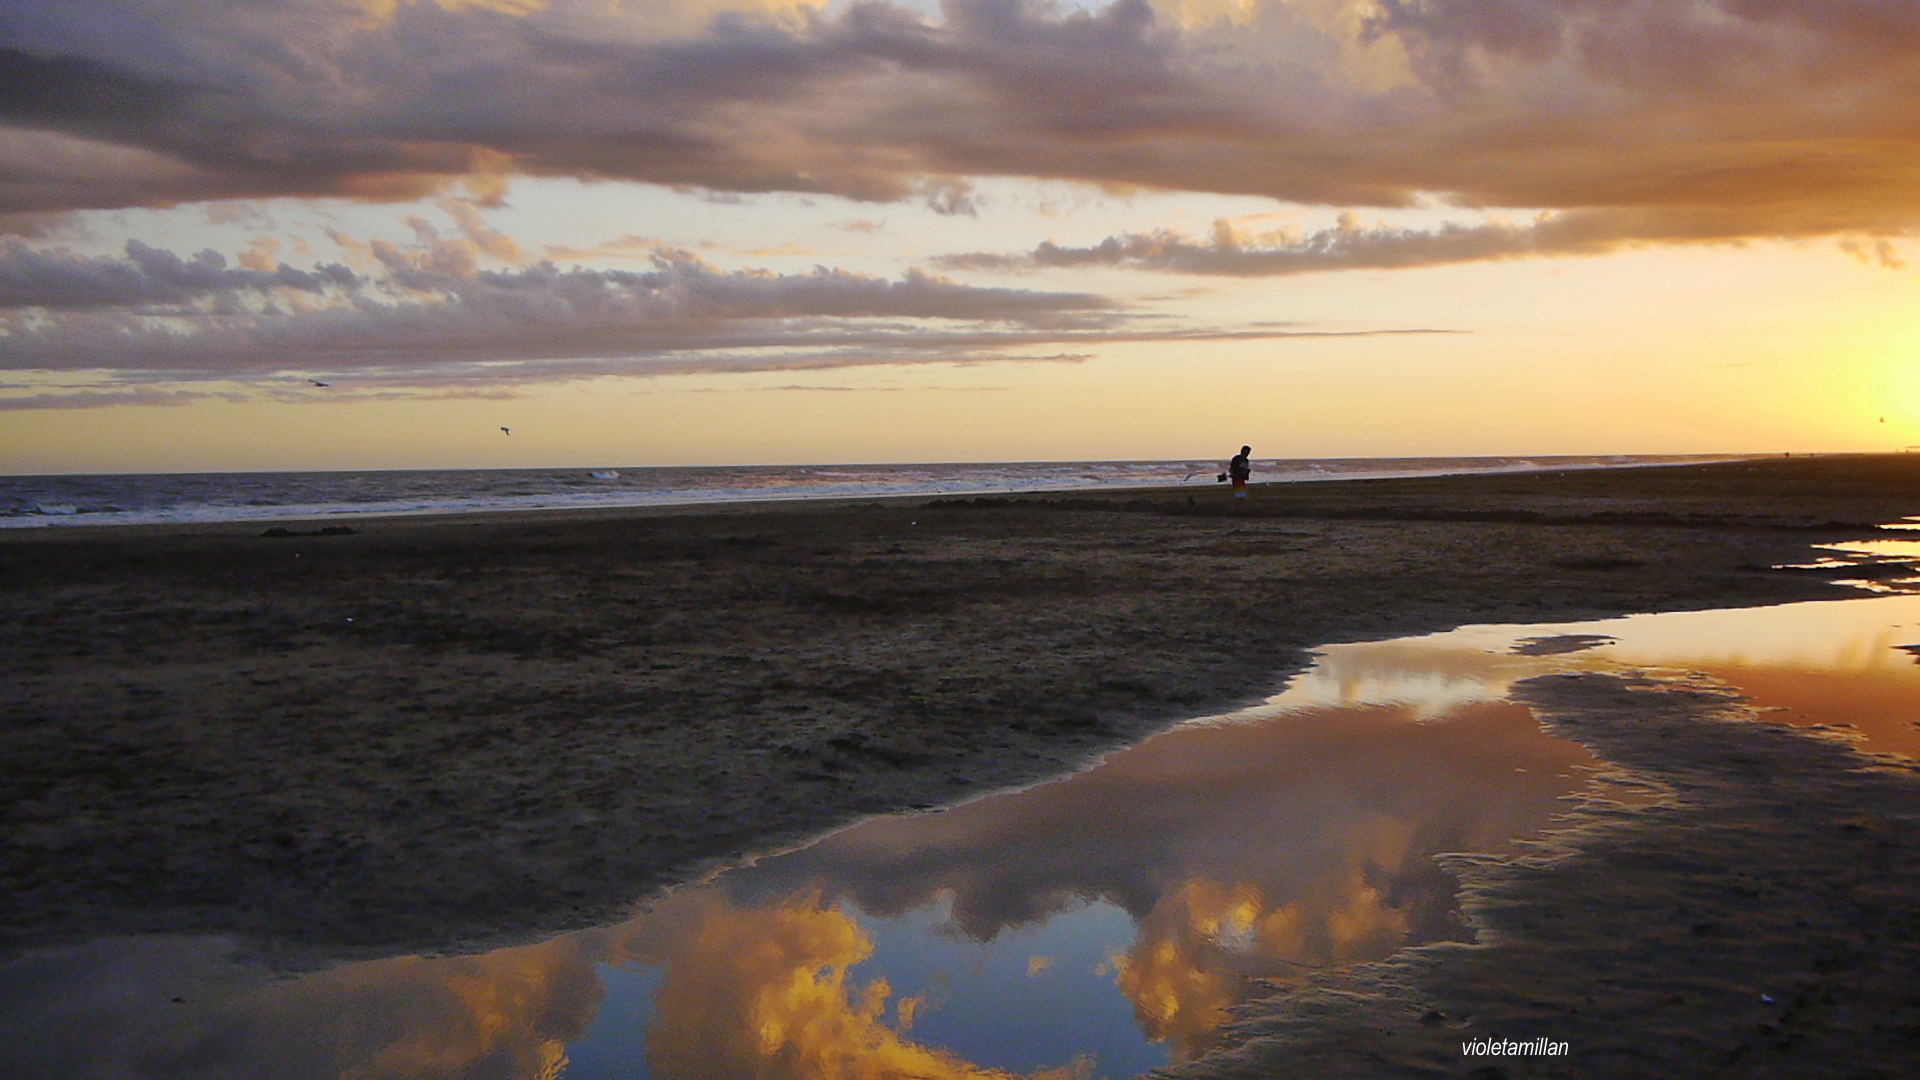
{"type": "Point", "coordinates": [728, 231]}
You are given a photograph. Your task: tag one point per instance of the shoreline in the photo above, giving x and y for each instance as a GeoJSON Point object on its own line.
{"type": "Point", "coordinates": [722, 502]}
{"type": "Point", "coordinates": [532, 725]}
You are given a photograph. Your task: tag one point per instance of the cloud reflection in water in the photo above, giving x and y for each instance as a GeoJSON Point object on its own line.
{"type": "Point", "coordinates": [1243, 851]}
{"type": "Point", "coordinates": [1239, 851]}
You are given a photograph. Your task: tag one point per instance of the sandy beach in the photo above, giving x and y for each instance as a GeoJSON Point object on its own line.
{"type": "Point", "coordinates": [437, 734]}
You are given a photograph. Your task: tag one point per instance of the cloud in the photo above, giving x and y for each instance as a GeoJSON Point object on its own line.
{"type": "Point", "coordinates": [627, 246]}
{"type": "Point", "coordinates": [41, 226]}
{"type": "Point", "coordinates": [483, 237]}
{"type": "Point", "coordinates": [261, 254]}
{"type": "Point", "coordinates": [1784, 117]}
{"type": "Point", "coordinates": [1350, 245]}
{"type": "Point", "coordinates": [952, 198]}
{"type": "Point", "coordinates": [1873, 252]}
{"type": "Point", "coordinates": [430, 303]}
{"type": "Point", "coordinates": [796, 388]}
{"type": "Point", "coordinates": [432, 316]}
{"type": "Point", "coordinates": [239, 213]}
{"type": "Point", "coordinates": [39, 278]}
{"type": "Point", "coordinates": [95, 399]}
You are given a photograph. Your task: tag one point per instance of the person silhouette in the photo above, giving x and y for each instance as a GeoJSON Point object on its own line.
{"type": "Point", "coordinates": [1240, 470]}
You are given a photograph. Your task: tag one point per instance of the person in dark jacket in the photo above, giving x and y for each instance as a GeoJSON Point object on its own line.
{"type": "Point", "coordinates": [1240, 470]}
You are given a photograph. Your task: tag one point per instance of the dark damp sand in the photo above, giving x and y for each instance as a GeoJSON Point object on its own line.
{"type": "Point", "coordinates": [441, 733]}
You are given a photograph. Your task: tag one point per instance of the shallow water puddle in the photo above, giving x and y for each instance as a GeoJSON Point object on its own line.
{"type": "Point", "coordinates": [1869, 553]}
{"type": "Point", "coordinates": [1099, 925]}
{"type": "Point", "coordinates": [1850, 665]}
{"type": "Point", "coordinates": [1889, 550]}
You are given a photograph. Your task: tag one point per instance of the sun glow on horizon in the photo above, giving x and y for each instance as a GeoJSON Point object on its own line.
{"type": "Point", "coordinates": [1706, 350]}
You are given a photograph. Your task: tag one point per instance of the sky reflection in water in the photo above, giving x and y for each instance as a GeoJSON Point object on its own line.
{"type": "Point", "coordinates": [1095, 926]}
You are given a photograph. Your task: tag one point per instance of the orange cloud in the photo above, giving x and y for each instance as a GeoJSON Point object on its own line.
{"type": "Point", "coordinates": [382, 11]}
{"type": "Point", "coordinates": [625, 246]}
{"type": "Point", "coordinates": [483, 237]}
{"type": "Point", "coordinates": [259, 255]}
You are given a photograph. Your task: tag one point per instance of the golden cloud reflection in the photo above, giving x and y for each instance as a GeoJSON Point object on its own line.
{"type": "Point", "coordinates": [764, 993]}
{"type": "Point", "coordinates": [503, 1014]}
{"type": "Point", "coordinates": [513, 1012]}
{"type": "Point", "coordinates": [1201, 950]}
{"type": "Point", "coordinates": [1245, 853]}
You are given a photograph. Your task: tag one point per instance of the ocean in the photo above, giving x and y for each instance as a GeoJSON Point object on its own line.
{"type": "Point", "coordinates": [149, 498]}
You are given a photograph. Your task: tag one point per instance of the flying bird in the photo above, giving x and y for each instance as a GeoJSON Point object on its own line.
{"type": "Point", "coordinates": [317, 382]}
{"type": "Point", "coordinates": [505, 430]}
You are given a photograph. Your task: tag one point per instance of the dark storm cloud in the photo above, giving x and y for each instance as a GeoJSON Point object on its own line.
{"type": "Point", "coordinates": [1792, 117]}
{"type": "Point", "coordinates": [82, 96]}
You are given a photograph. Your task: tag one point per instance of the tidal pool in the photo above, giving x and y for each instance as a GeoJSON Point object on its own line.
{"type": "Point", "coordinates": [1094, 926]}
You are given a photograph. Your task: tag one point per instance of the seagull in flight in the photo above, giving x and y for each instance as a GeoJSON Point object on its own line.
{"type": "Point", "coordinates": [317, 382]}
{"type": "Point", "coordinates": [505, 430]}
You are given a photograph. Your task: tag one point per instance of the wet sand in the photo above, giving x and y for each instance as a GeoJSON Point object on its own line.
{"type": "Point", "coordinates": [437, 734]}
